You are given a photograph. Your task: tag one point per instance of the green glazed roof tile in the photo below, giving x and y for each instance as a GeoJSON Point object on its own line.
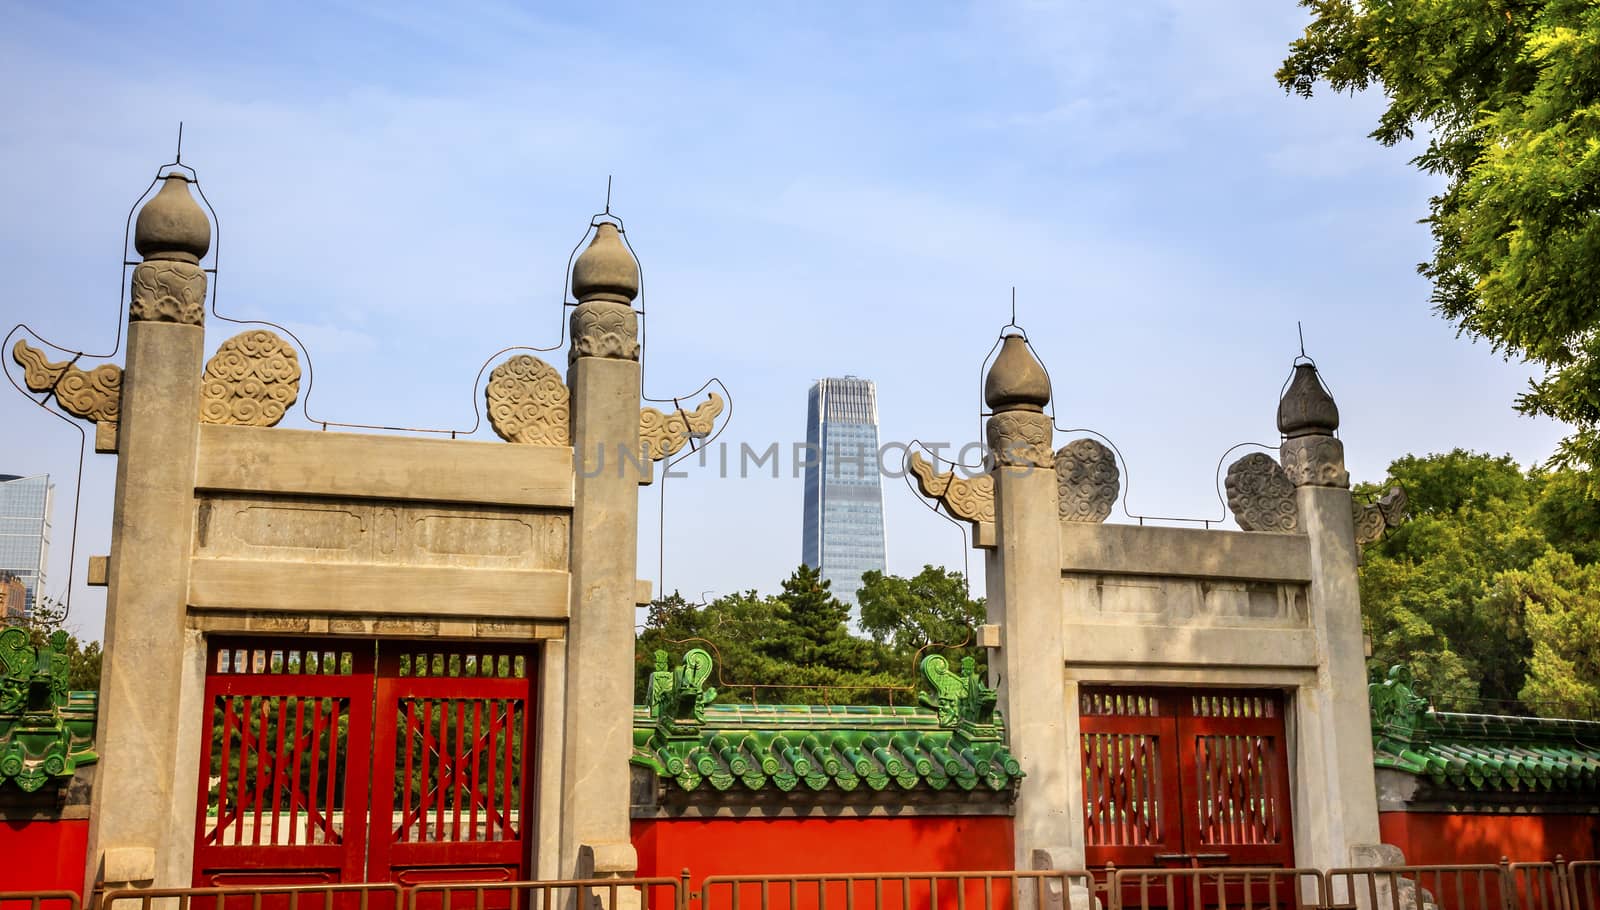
{"type": "Point", "coordinates": [1480, 751]}
{"type": "Point", "coordinates": [956, 739]}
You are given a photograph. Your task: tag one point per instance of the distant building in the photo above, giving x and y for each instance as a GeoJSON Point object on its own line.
{"type": "Point", "coordinates": [25, 533]}
{"type": "Point", "coordinates": [843, 523]}
{"type": "Point", "coordinates": [13, 596]}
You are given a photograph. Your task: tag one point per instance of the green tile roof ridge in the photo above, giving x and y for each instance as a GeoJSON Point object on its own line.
{"type": "Point", "coordinates": [955, 741]}
{"type": "Point", "coordinates": [1480, 751]}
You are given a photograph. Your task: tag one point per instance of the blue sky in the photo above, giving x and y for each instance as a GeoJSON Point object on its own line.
{"type": "Point", "coordinates": [813, 189]}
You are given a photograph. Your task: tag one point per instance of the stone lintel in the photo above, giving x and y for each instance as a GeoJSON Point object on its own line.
{"type": "Point", "coordinates": [99, 571]}
{"type": "Point", "coordinates": [1212, 646]}
{"type": "Point", "coordinates": [1191, 552]}
{"type": "Point", "coordinates": [1170, 675]}
{"type": "Point", "coordinates": [432, 591]}
{"type": "Point", "coordinates": [642, 593]}
{"type": "Point", "coordinates": [312, 463]}
{"type": "Point", "coordinates": [373, 626]}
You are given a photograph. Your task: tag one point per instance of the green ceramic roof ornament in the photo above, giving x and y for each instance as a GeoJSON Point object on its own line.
{"type": "Point", "coordinates": [46, 731]}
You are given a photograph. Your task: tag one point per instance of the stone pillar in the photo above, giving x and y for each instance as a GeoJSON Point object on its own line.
{"type": "Point", "coordinates": [603, 375]}
{"type": "Point", "coordinates": [141, 824]}
{"type": "Point", "coordinates": [1024, 584]}
{"type": "Point", "coordinates": [1336, 802]}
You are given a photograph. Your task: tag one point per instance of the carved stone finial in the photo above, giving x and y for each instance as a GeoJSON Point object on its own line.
{"type": "Point", "coordinates": [606, 270]}
{"type": "Point", "coordinates": [1261, 496]}
{"type": "Point", "coordinates": [1087, 481]}
{"type": "Point", "coordinates": [528, 402]}
{"type": "Point", "coordinates": [251, 381]}
{"type": "Point", "coordinates": [172, 225]}
{"type": "Point", "coordinates": [1306, 408]}
{"type": "Point", "coordinates": [90, 394]}
{"type": "Point", "coordinates": [664, 435]}
{"type": "Point", "coordinates": [1307, 417]}
{"type": "Point", "coordinates": [1016, 381]}
{"type": "Point", "coordinates": [1314, 461]}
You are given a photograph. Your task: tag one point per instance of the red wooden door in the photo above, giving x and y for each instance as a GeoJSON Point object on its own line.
{"type": "Point", "coordinates": [450, 794]}
{"type": "Point", "coordinates": [337, 761]}
{"type": "Point", "coordinates": [283, 797]}
{"type": "Point", "coordinates": [1184, 778]}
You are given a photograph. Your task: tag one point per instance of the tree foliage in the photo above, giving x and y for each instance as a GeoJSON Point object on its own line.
{"type": "Point", "coordinates": [796, 646]}
{"type": "Point", "coordinates": [1483, 591]}
{"type": "Point", "coordinates": [1509, 93]}
{"type": "Point", "coordinates": [929, 609]}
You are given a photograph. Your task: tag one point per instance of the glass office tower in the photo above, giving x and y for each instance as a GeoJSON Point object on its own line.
{"type": "Point", "coordinates": [843, 523]}
{"type": "Point", "coordinates": [25, 531]}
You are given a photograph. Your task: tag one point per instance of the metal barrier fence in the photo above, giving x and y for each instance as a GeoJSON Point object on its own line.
{"type": "Point", "coordinates": [40, 900]}
{"type": "Point", "coordinates": [1482, 886]}
{"type": "Point", "coordinates": [1556, 885]}
{"type": "Point", "coordinates": [1008, 890]}
{"type": "Point", "coordinates": [1249, 888]}
{"type": "Point", "coordinates": [258, 897]}
{"type": "Point", "coordinates": [570, 894]}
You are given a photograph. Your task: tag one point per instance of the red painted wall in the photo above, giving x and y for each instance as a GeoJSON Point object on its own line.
{"type": "Point", "coordinates": [799, 846]}
{"type": "Point", "coordinates": [1442, 838]}
{"type": "Point", "coordinates": [43, 855]}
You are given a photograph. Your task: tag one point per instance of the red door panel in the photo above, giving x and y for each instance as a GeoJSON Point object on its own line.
{"type": "Point", "coordinates": [280, 801]}
{"type": "Point", "coordinates": [346, 761]}
{"type": "Point", "coordinates": [1180, 778]}
{"type": "Point", "coordinates": [450, 789]}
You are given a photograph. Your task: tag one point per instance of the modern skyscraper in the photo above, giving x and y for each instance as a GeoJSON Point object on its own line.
{"type": "Point", "coordinates": [844, 498]}
{"type": "Point", "coordinates": [25, 531]}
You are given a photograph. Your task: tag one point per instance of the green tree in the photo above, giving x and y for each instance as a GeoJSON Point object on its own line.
{"type": "Point", "coordinates": [930, 609]}
{"type": "Point", "coordinates": [1509, 92]}
{"type": "Point", "coordinates": [1561, 602]}
{"type": "Point", "coordinates": [793, 647]}
{"type": "Point", "coordinates": [1488, 591]}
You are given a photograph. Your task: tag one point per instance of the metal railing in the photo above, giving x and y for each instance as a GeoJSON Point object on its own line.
{"type": "Point", "coordinates": [567, 894]}
{"type": "Point", "coordinates": [386, 896]}
{"type": "Point", "coordinates": [39, 900]}
{"type": "Point", "coordinates": [1250, 888]}
{"type": "Point", "coordinates": [1553, 885]}
{"type": "Point", "coordinates": [1469, 886]}
{"type": "Point", "coordinates": [1007, 890]}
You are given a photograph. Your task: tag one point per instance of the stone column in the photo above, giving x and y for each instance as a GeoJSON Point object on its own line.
{"type": "Point", "coordinates": [1336, 802]}
{"type": "Point", "coordinates": [142, 820]}
{"type": "Point", "coordinates": [1024, 587]}
{"type": "Point", "coordinates": [603, 376]}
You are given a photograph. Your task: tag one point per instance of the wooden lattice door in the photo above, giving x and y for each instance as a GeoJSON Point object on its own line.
{"type": "Point", "coordinates": [283, 796]}
{"type": "Point", "coordinates": [349, 761]}
{"type": "Point", "coordinates": [450, 795]}
{"type": "Point", "coordinates": [1185, 777]}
